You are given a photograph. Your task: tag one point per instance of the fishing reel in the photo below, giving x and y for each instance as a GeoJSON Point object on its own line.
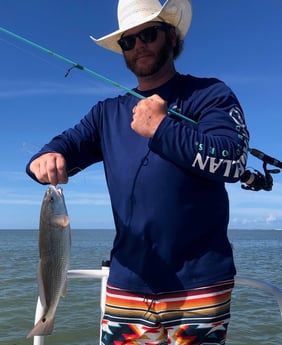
{"type": "Point", "coordinates": [256, 180]}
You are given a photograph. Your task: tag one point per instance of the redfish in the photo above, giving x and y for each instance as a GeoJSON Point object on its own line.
{"type": "Point", "coordinates": [54, 252]}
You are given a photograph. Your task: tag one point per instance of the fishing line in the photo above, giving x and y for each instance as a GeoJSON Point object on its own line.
{"type": "Point", "coordinates": [86, 69]}
{"type": "Point", "coordinates": [23, 50]}
{"type": "Point", "coordinates": [47, 61]}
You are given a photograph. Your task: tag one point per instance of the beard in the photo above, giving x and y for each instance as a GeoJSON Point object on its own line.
{"type": "Point", "coordinates": [159, 58]}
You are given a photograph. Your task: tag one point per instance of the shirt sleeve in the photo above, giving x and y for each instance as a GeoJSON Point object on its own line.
{"type": "Point", "coordinates": [79, 145]}
{"type": "Point", "coordinates": [216, 145]}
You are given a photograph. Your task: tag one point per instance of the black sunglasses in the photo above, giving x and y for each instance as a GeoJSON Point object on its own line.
{"type": "Point", "coordinates": [147, 35]}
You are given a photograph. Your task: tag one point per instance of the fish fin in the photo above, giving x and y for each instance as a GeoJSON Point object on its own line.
{"type": "Point", "coordinates": [64, 291]}
{"type": "Point", "coordinates": [43, 327]}
{"type": "Point", "coordinates": [41, 285]}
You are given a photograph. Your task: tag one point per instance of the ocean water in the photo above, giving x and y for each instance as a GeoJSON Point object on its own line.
{"type": "Point", "coordinates": [255, 319]}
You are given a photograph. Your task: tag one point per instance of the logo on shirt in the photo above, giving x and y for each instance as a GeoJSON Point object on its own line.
{"type": "Point", "coordinates": [214, 161]}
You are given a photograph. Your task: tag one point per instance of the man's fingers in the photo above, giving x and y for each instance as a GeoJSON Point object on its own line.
{"type": "Point", "coordinates": [50, 168]}
{"type": "Point", "coordinates": [56, 170]}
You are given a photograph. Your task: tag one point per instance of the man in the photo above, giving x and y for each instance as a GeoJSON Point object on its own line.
{"type": "Point", "coordinates": [171, 268]}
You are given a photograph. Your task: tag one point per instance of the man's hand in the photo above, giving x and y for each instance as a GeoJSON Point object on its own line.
{"type": "Point", "coordinates": [50, 168]}
{"type": "Point", "coordinates": [147, 115]}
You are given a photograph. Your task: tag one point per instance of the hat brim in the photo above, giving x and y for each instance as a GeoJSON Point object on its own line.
{"type": "Point", "coordinates": [177, 13]}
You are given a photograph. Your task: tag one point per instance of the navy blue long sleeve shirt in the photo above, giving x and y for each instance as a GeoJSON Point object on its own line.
{"type": "Point", "coordinates": [168, 195]}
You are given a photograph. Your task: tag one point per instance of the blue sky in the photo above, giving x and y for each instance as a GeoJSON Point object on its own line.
{"type": "Point", "coordinates": [237, 41]}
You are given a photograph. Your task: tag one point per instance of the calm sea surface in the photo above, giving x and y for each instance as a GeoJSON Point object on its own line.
{"type": "Point", "coordinates": [256, 318]}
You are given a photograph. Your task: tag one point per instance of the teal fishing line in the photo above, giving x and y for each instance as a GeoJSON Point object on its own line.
{"type": "Point", "coordinates": [83, 68]}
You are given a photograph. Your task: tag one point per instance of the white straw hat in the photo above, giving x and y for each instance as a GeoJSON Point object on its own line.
{"type": "Point", "coordinates": [132, 13]}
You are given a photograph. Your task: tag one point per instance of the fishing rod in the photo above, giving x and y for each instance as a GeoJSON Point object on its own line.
{"type": "Point", "coordinates": [251, 180]}
{"type": "Point", "coordinates": [86, 69]}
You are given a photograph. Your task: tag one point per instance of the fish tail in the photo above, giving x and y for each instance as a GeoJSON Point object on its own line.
{"type": "Point", "coordinates": [43, 327]}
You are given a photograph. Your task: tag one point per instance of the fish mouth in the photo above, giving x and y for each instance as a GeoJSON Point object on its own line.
{"type": "Point", "coordinates": [54, 193]}
{"type": "Point", "coordinates": [57, 190]}
{"type": "Point", "coordinates": [60, 191]}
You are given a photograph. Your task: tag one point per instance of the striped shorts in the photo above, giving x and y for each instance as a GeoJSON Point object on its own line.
{"type": "Point", "coordinates": [192, 317]}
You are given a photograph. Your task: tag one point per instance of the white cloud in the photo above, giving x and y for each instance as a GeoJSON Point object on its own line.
{"type": "Point", "coordinates": [250, 209]}
{"type": "Point", "coordinates": [271, 218]}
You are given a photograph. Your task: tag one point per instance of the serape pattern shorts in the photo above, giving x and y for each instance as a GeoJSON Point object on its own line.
{"type": "Point", "coordinates": [193, 317]}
